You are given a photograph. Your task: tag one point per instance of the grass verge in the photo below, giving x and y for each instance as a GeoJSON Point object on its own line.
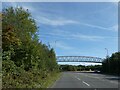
{"type": "Point", "coordinates": [50, 80]}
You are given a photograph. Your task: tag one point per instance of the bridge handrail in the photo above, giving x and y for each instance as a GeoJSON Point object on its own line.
{"type": "Point", "coordinates": [65, 59]}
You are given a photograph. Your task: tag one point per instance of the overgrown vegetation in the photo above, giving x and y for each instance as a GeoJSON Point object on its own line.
{"type": "Point", "coordinates": [111, 64]}
{"type": "Point", "coordinates": [80, 68]}
{"type": "Point", "coordinates": [27, 63]}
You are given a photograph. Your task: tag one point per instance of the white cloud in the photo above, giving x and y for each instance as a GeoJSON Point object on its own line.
{"type": "Point", "coordinates": [114, 28]}
{"type": "Point", "coordinates": [62, 21]}
{"type": "Point", "coordinates": [93, 26]}
{"type": "Point", "coordinates": [87, 37]}
{"type": "Point", "coordinates": [71, 35]}
{"type": "Point", "coordinates": [63, 46]}
{"type": "Point", "coordinates": [55, 22]}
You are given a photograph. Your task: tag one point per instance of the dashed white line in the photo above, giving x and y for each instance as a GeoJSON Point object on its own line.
{"type": "Point", "coordinates": [75, 77]}
{"type": "Point", "coordinates": [78, 78]}
{"type": "Point", "coordinates": [86, 83]}
{"type": "Point", "coordinates": [82, 81]}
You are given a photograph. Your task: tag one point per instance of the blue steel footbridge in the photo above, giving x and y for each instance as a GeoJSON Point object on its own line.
{"type": "Point", "coordinates": [79, 59]}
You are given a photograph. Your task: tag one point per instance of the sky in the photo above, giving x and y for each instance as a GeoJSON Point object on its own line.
{"type": "Point", "coordinates": [75, 28]}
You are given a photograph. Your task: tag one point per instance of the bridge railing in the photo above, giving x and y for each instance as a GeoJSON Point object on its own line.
{"type": "Point", "coordinates": [79, 59]}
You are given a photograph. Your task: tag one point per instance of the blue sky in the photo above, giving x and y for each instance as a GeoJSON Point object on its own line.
{"type": "Point", "coordinates": [76, 29]}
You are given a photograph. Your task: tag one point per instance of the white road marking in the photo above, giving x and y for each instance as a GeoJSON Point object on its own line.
{"type": "Point", "coordinates": [78, 78]}
{"type": "Point", "coordinates": [86, 83]}
{"type": "Point", "coordinates": [75, 77]}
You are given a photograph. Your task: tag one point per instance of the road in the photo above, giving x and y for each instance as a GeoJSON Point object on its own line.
{"type": "Point", "coordinates": [86, 80]}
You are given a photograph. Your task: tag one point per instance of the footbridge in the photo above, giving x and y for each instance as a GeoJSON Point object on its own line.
{"type": "Point", "coordinates": [79, 59]}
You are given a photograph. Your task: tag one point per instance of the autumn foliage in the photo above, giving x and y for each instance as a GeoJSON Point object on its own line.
{"type": "Point", "coordinates": [27, 62]}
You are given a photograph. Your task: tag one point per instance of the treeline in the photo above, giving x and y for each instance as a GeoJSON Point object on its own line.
{"type": "Point", "coordinates": [111, 64]}
{"type": "Point", "coordinates": [27, 62]}
{"type": "Point", "coordinates": [80, 68]}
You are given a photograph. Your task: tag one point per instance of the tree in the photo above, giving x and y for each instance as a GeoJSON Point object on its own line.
{"type": "Point", "coordinates": [19, 31]}
{"type": "Point", "coordinates": [24, 57]}
{"type": "Point", "coordinates": [113, 64]}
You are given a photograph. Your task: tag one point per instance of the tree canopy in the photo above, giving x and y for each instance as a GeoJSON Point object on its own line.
{"type": "Point", "coordinates": [22, 51]}
{"type": "Point", "coordinates": [111, 64]}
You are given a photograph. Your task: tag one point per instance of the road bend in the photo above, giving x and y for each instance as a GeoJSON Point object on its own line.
{"type": "Point", "coordinates": [86, 80]}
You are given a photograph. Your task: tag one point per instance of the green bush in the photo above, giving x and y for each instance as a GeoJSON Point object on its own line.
{"type": "Point", "coordinates": [27, 63]}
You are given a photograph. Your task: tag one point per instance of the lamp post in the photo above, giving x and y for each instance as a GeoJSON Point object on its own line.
{"type": "Point", "coordinates": [55, 42]}
{"type": "Point", "coordinates": [107, 58]}
{"type": "Point", "coordinates": [107, 52]}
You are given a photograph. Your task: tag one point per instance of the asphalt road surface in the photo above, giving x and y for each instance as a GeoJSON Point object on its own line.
{"type": "Point", "coordinates": [86, 80]}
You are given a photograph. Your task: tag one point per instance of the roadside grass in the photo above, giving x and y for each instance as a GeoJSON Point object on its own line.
{"type": "Point", "coordinates": [50, 80]}
{"type": "Point", "coordinates": [30, 80]}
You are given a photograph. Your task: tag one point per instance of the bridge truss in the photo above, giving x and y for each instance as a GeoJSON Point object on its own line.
{"type": "Point", "coordinates": [79, 59]}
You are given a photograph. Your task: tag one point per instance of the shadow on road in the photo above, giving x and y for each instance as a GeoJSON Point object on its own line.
{"type": "Point", "coordinates": [105, 76]}
{"type": "Point", "coordinates": [113, 78]}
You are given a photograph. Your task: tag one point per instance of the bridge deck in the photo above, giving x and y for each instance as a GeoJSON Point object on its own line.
{"type": "Point", "coordinates": [79, 59]}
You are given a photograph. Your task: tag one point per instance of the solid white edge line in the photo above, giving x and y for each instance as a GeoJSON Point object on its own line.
{"type": "Point", "coordinates": [86, 83]}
